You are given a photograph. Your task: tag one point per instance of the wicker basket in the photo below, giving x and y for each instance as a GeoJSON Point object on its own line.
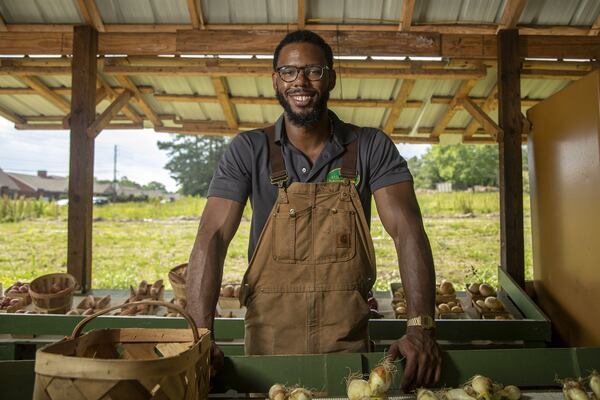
{"type": "Point", "coordinates": [53, 303]}
{"type": "Point", "coordinates": [177, 279]}
{"type": "Point", "coordinates": [126, 363]}
{"type": "Point", "coordinates": [24, 296]}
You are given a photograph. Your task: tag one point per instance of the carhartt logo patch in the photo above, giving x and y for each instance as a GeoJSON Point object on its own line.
{"type": "Point", "coordinates": [335, 176]}
{"type": "Point", "coordinates": [343, 240]}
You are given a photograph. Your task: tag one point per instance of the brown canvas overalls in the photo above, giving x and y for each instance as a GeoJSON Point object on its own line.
{"type": "Point", "coordinates": [306, 286]}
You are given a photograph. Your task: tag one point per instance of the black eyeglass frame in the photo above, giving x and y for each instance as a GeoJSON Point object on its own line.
{"type": "Point", "coordinates": [303, 68]}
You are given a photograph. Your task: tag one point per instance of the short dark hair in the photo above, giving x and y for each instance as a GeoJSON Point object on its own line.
{"type": "Point", "coordinates": [304, 36]}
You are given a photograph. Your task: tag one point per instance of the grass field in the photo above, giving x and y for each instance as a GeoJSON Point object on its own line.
{"type": "Point", "coordinates": [134, 241]}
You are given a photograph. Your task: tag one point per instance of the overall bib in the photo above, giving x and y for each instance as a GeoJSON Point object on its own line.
{"type": "Point", "coordinates": [306, 286]}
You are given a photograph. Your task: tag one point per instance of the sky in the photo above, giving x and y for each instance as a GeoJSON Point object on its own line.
{"type": "Point", "coordinates": [138, 156]}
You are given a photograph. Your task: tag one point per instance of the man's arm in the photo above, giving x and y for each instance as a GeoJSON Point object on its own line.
{"type": "Point", "coordinates": [401, 217]}
{"type": "Point", "coordinates": [219, 222]}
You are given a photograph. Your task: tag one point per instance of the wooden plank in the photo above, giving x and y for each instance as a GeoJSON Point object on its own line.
{"type": "Point", "coordinates": [481, 116]}
{"type": "Point", "coordinates": [301, 14]}
{"type": "Point", "coordinates": [66, 91]}
{"type": "Point", "coordinates": [595, 29]}
{"type": "Point", "coordinates": [11, 116]}
{"type": "Point", "coordinates": [148, 43]}
{"type": "Point", "coordinates": [90, 14]}
{"type": "Point", "coordinates": [223, 95]}
{"type": "Point", "coordinates": [3, 27]}
{"type": "Point", "coordinates": [399, 103]}
{"type": "Point", "coordinates": [414, 139]}
{"type": "Point", "coordinates": [487, 105]}
{"type": "Point", "coordinates": [559, 46]}
{"type": "Point", "coordinates": [196, 17]}
{"type": "Point", "coordinates": [61, 126]}
{"type": "Point", "coordinates": [129, 111]}
{"type": "Point", "coordinates": [463, 91]}
{"type": "Point", "coordinates": [150, 114]}
{"type": "Point", "coordinates": [511, 178]}
{"type": "Point", "coordinates": [111, 111]}
{"type": "Point", "coordinates": [512, 13]}
{"type": "Point", "coordinates": [81, 165]}
{"type": "Point", "coordinates": [43, 90]}
{"type": "Point", "coordinates": [406, 14]}
{"type": "Point", "coordinates": [553, 74]}
{"type": "Point", "coordinates": [347, 43]}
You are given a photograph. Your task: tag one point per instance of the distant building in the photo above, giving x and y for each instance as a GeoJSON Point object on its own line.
{"type": "Point", "coordinates": [41, 185]}
{"type": "Point", "coordinates": [11, 188]}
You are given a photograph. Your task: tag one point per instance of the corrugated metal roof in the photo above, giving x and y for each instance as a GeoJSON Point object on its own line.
{"type": "Point", "coordinates": [143, 11]}
{"type": "Point", "coordinates": [560, 12]}
{"type": "Point", "coordinates": [455, 11]}
{"type": "Point", "coordinates": [249, 11]}
{"type": "Point", "coordinates": [40, 12]}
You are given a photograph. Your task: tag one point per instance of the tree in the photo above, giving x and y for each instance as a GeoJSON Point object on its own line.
{"type": "Point", "coordinates": [154, 185]}
{"type": "Point", "coordinates": [193, 160]}
{"type": "Point", "coordinates": [463, 165]}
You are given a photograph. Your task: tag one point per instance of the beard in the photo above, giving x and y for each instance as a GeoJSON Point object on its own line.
{"type": "Point", "coordinates": [306, 119]}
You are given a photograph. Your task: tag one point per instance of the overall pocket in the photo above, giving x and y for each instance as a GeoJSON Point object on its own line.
{"type": "Point", "coordinates": [291, 234]}
{"type": "Point", "coordinates": [334, 235]}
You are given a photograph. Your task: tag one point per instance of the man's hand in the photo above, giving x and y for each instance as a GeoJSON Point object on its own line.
{"type": "Point", "coordinates": [423, 365]}
{"type": "Point", "coordinates": [217, 359]}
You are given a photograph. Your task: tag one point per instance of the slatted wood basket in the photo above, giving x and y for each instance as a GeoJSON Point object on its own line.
{"type": "Point", "coordinates": [177, 278]}
{"type": "Point", "coordinates": [126, 363]}
{"type": "Point", "coordinates": [45, 300]}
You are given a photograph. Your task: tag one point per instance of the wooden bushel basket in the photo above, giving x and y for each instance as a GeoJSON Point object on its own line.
{"type": "Point", "coordinates": [53, 303]}
{"type": "Point", "coordinates": [126, 363]}
{"type": "Point", "coordinates": [177, 277]}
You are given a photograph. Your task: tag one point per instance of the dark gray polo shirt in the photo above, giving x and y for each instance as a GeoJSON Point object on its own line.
{"type": "Point", "coordinates": [244, 169]}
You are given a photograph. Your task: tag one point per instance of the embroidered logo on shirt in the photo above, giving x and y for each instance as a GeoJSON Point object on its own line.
{"type": "Point", "coordinates": [335, 176]}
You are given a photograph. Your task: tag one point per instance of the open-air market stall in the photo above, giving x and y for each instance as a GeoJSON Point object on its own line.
{"type": "Point", "coordinates": [422, 71]}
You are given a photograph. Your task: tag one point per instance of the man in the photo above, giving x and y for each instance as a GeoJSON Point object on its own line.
{"type": "Point", "coordinates": [310, 179]}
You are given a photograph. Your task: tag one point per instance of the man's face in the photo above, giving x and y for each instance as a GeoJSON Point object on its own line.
{"type": "Point", "coordinates": [303, 100]}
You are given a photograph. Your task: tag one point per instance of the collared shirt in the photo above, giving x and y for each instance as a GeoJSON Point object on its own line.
{"type": "Point", "coordinates": [244, 170]}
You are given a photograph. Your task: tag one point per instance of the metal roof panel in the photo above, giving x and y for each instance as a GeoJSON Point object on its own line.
{"type": "Point", "coordinates": [144, 11]}
{"type": "Point", "coordinates": [560, 12]}
{"type": "Point", "coordinates": [457, 11]}
{"type": "Point", "coordinates": [40, 12]}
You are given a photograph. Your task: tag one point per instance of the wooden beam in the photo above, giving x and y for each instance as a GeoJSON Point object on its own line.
{"type": "Point", "coordinates": [463, 91]}
{"type": "Point", "coordinates": [59, 127]}
{"type": "Point", "coordinates": [512, 13]}
{"type": "Point", "coordinates": [301, 14]}
{"type": "Point", "coordinates": [65, 91]}
{"type": "Point", "coordinates": [223, 95]}
{"type": "Point", "coordinates": [111, 111]}
{"type": "Point", "coordinates": [150, 114]}
{"type": "Point", "coordinates": [399, 103]}
{"type": "Point", "coordinates": [3, 27]}
{"type": "Point", "coordinates": [595, 29]}
{"type": "Point", "coordinates": [43, 90]}
{"type": "Point", "coordinates": [11, 116]}
{"type": "Point", "coordinates": [511, 174]}
{"type": "Point", "coordinates": [481, 116]}
{"type": "Point", "coordinates": [553, 74]}
{"type": "Point", "coordinates": [487, 105]}
{"type": "Point", "coordinates": [90, 14]}
{"type": "Point", "coordinates": [81, 165]}
{"type": "Point", "coordinates": [406, 14]}
{"type": "Point", "coordinates": [196, 17]}
{"type": "Point", "coordinates": [410, 139]}
{"type": "Point", "coordinates": [129, 111]}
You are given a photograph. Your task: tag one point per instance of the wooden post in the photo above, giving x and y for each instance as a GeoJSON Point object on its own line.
{"type": "Point", "coordinates": [511, 178]}
{"type": "Point", "coordinates": [81, 166]}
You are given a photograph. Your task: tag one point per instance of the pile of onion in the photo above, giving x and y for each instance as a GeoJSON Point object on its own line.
{"type": "Point", "coordinates": [280, 392]}
{"type": "Point", "coordinates": [380, 380]}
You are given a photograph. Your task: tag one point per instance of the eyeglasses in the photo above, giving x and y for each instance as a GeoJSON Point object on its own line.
{"type": "Point", "coordinates": [289, 73]}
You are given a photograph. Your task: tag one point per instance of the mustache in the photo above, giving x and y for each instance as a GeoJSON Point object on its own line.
{"type": "Point", "coordinates": [293, 92]}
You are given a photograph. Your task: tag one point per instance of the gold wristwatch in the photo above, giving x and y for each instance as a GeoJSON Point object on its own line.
{"type": "Point", "coordinates": [424, 321]}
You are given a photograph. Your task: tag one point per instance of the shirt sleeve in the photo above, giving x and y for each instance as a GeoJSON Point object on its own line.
{"type": "Point", "coordinates": [386, 165]}
{"type": "Point", "coordinates": [233, 176]}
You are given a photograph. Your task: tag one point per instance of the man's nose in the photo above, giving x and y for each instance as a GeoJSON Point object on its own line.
{"type": "Point", "coordinates": [301, 79]}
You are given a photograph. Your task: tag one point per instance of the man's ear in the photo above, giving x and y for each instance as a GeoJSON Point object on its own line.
{"type": "Point", "coordinates": [274, 80]}
{"type": "Point", "coordinates": [332, 79]}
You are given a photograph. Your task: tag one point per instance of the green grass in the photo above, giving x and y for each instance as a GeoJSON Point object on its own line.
{"type": "Point", "coordinates": [135, 241]}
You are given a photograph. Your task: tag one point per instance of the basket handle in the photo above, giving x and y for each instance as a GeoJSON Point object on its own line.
{"type": "Point", "coordinates": [77, 331]}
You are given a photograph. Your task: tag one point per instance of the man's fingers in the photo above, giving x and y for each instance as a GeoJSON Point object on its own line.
{"type": "Point", "coordinates": [410, 370]}
{"type": "Point", "coordinates": [422, 371]}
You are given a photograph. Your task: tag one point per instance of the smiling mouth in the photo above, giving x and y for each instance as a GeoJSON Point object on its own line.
{"type": "Point", "coordinates": [301, 99]}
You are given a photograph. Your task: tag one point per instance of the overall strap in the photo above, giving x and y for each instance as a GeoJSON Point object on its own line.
{"type": "Point", "coordinates": [278, 172]}
{"type": "Point", "coordinates": [348, 170]}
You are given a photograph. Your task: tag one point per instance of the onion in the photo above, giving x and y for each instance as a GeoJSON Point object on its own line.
{"type": "Point", "coordinates": [510, 392]}
{"type": "Point", "coordinates": [573, 391]}
{"type": "Point", "coordinates": [493, 303]}
{"type": "Point", "coordinates": [595, 383]}
{"type": "Point", "coordinates": [426, 394]}
{"type": "Point", "coordinates": [446, 287]}
{"type": "Point", "coordinates": [486, 290]}
{"type": "Point", "coordinates": [359, 389]}
{"type": "Point", "coordinates": [473, 288]}
{"type": "Point", "coordinates": [300, 394]}
{"type": "Point", "coordinates": [456, 309]}
{"type": "Point", "coordinates": [458, 394]}
{"type": "Point", "coordinates": [482, 385]}
{"type": "Point", "coordinates": [444, 308]}
{"type": "Point", "coordinates": [278, 392]}
{"type": "Point", "coordinates": [380, 379]}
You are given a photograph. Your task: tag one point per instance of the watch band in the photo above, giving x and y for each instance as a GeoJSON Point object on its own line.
{"type": "Point", "coordinates": [424, 321]}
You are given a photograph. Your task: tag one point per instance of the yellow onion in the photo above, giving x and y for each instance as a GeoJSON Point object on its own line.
{"type": "Point", "coordinates": [358, 389]}
{"type": "Point", "coordinates": [380, 380]}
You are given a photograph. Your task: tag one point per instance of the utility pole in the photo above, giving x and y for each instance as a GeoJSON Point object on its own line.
{"type": "Point", "coordinates": [115, 175]}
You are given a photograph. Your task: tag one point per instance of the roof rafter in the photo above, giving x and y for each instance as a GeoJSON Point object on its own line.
{"type": "Point", "coordinates": [481, 116]}
{"type": "Point", "coordinates": [301, 14]}
{"type": "Point", "coordinates": [43, 90]}
{"type": "Point", "coordinates": [11, 116]}
{"type": "Point", "coordinates": [111, 111]}
{"type": "Point", "coordinates": [223, 96]}
{"type": "Point", "coordinates": [196, 15]}
{"type": "Point", "coordinates": [90, 14]}
{"type": "Point", "coordinates": [398, 105]}
{"type": "Point", "coordinates": [406, 14]}
{"type": "Point", "coordinates": [595, 29]}
{"type": "Point", "coordinates": [150, 114]}
{"type": "Point", "coordinates": [129, 111]}
{"type": "Point", "coordinates": [463, 91]}
{"type": "Point", "coordinates": [512, 13]}
{"type": "Point", "coordinates": [487, 105]}
{"type": "Point", "coordinates": [3, 27]}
